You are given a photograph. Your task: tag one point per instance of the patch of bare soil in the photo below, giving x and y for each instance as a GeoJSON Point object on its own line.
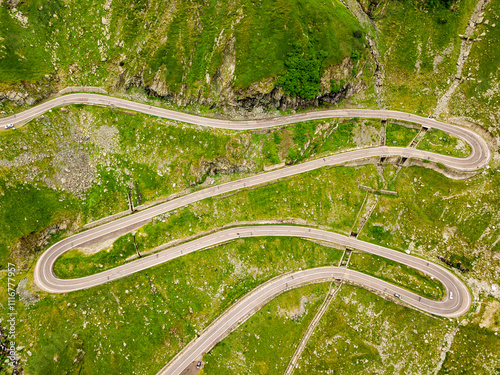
{"type": "Point", "coordinates": [491, 316]}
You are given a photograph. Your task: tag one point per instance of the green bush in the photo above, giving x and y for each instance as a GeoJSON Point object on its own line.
{"type": "Point", "coordinates": [303, 74]}
{"type": "Point", "coordinates": [336, 86]}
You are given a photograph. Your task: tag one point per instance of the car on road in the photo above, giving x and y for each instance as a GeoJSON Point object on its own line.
{"type": "Point", "coordinates": [397, 295]}
{"type": "Point", "coordinates": [9, 126]}
{"type": "Point", "coordinates": [451, 295]}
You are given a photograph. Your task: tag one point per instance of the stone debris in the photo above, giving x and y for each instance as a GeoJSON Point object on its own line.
{"type": "Point", "coordinates": [25, 295]}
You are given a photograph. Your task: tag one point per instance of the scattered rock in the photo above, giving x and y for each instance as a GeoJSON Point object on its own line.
{"type": "Point", "coordinates": [26, 296]}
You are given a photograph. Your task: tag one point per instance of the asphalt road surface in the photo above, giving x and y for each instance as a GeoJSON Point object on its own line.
{"type": "Point", "coordinates": [459, 305]}
{"type": "Point", "coordinates": [478, 159]}
{"type": "Point", "coordinates": [250, 303]}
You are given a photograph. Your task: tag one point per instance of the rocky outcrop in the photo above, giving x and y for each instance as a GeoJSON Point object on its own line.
{"type": "Point", "coordinates": [28, 93]}
{"type": "Point", "coordinates": [25, 250]}
{"type": "Point", "coordinates": [218, 90]}
{"type": "Point", "coordinates": [257, 98]}
{"type": "Point", "coordinates": [216, 167]}
{"type": "Point", "coordinates": [18, 98]}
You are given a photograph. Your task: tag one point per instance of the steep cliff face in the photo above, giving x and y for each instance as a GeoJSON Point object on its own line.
{"type": "Point", "coordinates": [259, 97]}
{"type": "Point", "coordinates": [225, 54]}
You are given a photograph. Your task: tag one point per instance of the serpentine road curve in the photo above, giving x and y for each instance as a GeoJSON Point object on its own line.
{"type": "Point", "coordinates": [479, 157]}
{"type": "Point", "coordinates": [448, 307]}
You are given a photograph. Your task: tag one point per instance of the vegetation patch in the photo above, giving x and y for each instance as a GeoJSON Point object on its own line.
{"type": "Point", "coordinates": [364, 333]}
{"type": "Point", "coordinates": [303, 72]}
{"type": "Point", "coordinates": [440, 142]}
{"type": "Point", "coordinates": [75, 263]}
{"type": "Point", "coordinates": [143, 320]}
{"type": "Point", "coordinates": [398, 274]}
{"type": "Point", "coordinates": [27, 211]}
{"type": "Point", "coordinates": [101, 43]}
{"type": "Point", "coordinates": [399, 135]}
{"type": "Point", "coordinates": [265, 343]}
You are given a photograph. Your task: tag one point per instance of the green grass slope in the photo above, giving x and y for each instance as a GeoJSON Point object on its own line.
{"type": "Point", "coordinates": [182, 46]}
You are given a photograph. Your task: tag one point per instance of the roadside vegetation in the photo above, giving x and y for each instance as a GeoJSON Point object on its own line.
{"type": "Point", "coordinates": [143, 320]}
{"type": "Point", "coordinates": [265, 343]}
{"type": "Point", "coordinates": [399, 135]}
{"type": "Point", "coordinates": [396, 273]}
{"type": "Point", "coordinates": [364, 333]}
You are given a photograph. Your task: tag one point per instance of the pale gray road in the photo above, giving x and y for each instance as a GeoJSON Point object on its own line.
{"type": "Point", "coordinates": [251, 303]}
{"type": "Point", "coordinates": [459, 305]}
{"type": "Point", "coordinates": [478, 159]}
{"type": "Point", "coordinates": [47, 280]}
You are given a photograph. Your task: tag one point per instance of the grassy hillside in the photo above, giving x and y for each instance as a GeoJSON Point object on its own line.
{"type": "Point", "coordinates": [419, 48]}
{"type": "Point", "coordinates": [77, 164]}
{"type": "Point", "coordinates": [478, 98]}
{"type": "Point", "coordinates": [189, 46]}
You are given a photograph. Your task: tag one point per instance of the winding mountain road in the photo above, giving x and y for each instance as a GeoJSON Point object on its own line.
{"type": "Point", "coordinates": [479, 157]}
{"type": "Point", "coordinates": [46, 279]}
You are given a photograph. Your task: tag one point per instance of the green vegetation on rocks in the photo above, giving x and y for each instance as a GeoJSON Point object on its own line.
{"type": "Point", "coordinates": [292, 200]}
{"type": "Point", "coordinates": [477, 98]}
{"type": "Point", "coordinates": [364, 333]}
{"type": "Point", "coordinates": [433, 215]}
{"type": "Point", "coordinates": [303, 74]}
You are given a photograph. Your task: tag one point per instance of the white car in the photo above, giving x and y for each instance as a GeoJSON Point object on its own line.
{"type": "Point", "coordinates": [451, 295]}
{"type": "Point", "coordinates": [9, 126]}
